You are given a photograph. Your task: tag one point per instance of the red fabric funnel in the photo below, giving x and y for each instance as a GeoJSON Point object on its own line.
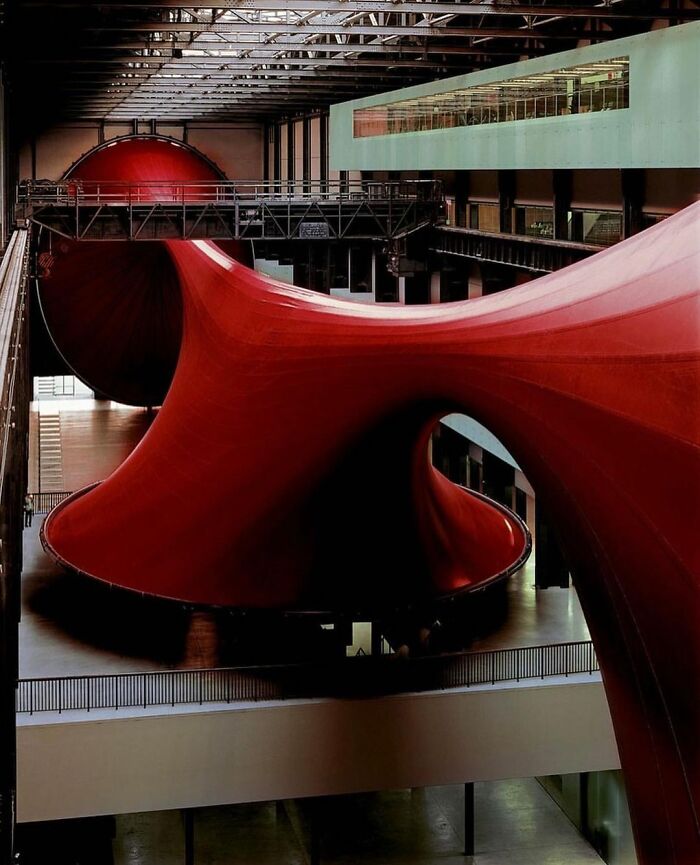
{"type": "Point", "coordinates": [289, 466]}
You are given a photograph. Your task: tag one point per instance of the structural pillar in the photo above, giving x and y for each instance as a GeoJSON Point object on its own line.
{"type": "Point", "coordinates": [633, 183]}
{"type": "Point", "coordinates": [188, 819]}
{"type": "Point", "coordinates": [506, 200]}
{"type": "Point", "coordinates": [323, 149]}
{"type": "Point", "coordinates": [291, 162]}
{"type": "Point", "coordinates": [498, 479]}
{"type": "Point", "coordinates": [475, 286]}
{"type": "Point", "coordinates": [306, 150]}
{"type": "Point", "coordinates": [462, 199]}
{"type": "Point", "coordinates": [435, 283]}
{"type": "Point", "coordinates": [551, 568]}
{"type": "Point", "coordinates": [475, 468]}
{"type": "Point", "coordinates": [276, 152]}
{"type": "Point", "coordinates": [402, 290]}
{"type": "Point", "coordinates": [267, 131]}
{"type": "Point", "coordinates": [376, 639]}
{"type": "Point", "coordinates": [469, 819]}
{"type": "Point", "coordinates": [315, 834]}
{"type": "Point", "coordinates": [561, 187]}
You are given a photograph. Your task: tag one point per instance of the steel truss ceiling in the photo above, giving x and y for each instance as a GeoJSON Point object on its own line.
{"type": "Point", "coordinates": [132, 59]}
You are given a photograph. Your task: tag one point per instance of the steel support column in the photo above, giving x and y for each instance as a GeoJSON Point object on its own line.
{"type": "Point", "coordinates": [633, 193]}
{"type": "Point", "coordinates": [561, 186]}
{"type": "Point", "coordinates": [461, 199]}
{"type": "Point", "coordinates": [506, 199]}
{"type": "Point", "coordinates": [469, 819]}
{"type": "Point", "coordinates": [551, 568]}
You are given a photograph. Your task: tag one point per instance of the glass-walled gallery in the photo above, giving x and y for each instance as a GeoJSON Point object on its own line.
{"type": "Point", "coordinates": [596, 86]}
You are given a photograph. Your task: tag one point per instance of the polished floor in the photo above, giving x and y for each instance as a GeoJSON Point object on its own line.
{"type": "Point", "coordinates": [75, 441]}
{"type": "Point", "coordinates": [516, 823]}
{"type": "Point", "coordinates": [73, 627]}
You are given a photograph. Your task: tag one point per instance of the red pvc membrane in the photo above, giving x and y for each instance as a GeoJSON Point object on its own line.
{"type": "Point", "coordinates": [289, 466]}
{"type": "Point", "coordinates": [112, 308]}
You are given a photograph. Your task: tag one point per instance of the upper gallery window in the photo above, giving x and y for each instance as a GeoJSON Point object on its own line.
{"type": "Point", "coordinates": [602, 85]}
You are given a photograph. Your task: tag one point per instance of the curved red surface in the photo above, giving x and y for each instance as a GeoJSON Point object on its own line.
{"type": "Point", "coordinates": [138, 159]}
{"type": "Point", "coordinates": [290, 412]}
{"type": "Point", "coordinates": [114, 309]}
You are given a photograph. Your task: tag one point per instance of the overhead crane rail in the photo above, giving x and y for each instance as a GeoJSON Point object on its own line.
{"type": "Point", "coordinates": [231, 210]}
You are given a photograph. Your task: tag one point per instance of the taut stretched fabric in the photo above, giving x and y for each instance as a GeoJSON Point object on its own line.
{"type": "Point", "coordinates": [113, 309]}
{"type": "Point", "coordinates": [295, 434]}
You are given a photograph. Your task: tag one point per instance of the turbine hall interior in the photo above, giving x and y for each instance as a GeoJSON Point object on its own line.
{"type": "Point", "coordinates": [350, 465]}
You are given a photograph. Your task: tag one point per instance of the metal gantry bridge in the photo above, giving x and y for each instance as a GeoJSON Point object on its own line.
{"type": "Point", "coordinates": [231, 210]}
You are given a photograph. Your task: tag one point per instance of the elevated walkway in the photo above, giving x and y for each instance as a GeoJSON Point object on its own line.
{"type": "Point", "coordinates": [230, 210]}
{"type": "Point", "coordinates": [536, 254]}
{"type": "Point", "coordinates": [111, 762]}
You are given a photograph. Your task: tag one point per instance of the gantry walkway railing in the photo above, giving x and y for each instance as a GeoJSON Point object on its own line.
{"type": "Point", "coordinates": [537, 254]}
{"type": "Point", "coordinates": [234, 210]}
{"type": "Point", "coordinates": [346, 677]}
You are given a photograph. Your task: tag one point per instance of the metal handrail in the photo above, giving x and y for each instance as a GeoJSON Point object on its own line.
{"type": "Point", "coordinates": [534, 240]}
{"type": "Point", "coordinates": [13, 271]}
{"type": "Point", "coordinates": [360, 676]}
{"type": "Point", "coordinates": [46, 501]}
{"type": "Point", "coordinates": [77, 192]}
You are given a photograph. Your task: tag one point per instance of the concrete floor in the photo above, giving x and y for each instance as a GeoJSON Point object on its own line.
{"type": "Point", "coordinates": [71, 627]}
{"type": "Point", "coordinates": [517, 823]}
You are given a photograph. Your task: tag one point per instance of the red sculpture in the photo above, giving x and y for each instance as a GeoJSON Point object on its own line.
{"type": "Point", "coordinates": [295, 434]}
{"type": "Point", "coordinates": [112, 308]}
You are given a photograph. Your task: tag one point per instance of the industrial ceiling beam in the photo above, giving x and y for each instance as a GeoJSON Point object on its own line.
{"type": "Point", "coordinates": [477, 9]}
{"type": "Point", "coordinates": [276, 46]}
{"type": "Point", "coordinates": [255, 89]}
{"type": "Point", "coordinates": [333, 63]}
{"type": "Point", "coordinates": [223, 97]}
{"type": "Point", "coordinates": [133, 108]}
{"type": "Point", "coordinates": [202, 99]}
{"type": "Point", "coordinates": [243, 74]}
{"type": "Point", "coordinates": [133, 105]}
{"type": "Point", "coordinates": [339, 28]}
{"type": "Point", "coordinates": [319, 51]}
{"type": "Point", "coordinates": [232, 63]}
{"type": "Point", "coordinates": [238, 81]}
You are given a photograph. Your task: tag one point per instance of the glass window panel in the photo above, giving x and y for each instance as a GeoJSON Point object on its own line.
{"type": "Point", "coordinates": [592, 87]}
{"type": "Point", "coordinates": [534, 221]}
{"type": "Point", "coordinates": [601, 227]}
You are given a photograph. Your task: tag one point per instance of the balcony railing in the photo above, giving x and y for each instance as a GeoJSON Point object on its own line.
{"type": "Point", "coordinates": [351, 677]}
{"type": "Point", "coordinates": [46, 501]}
